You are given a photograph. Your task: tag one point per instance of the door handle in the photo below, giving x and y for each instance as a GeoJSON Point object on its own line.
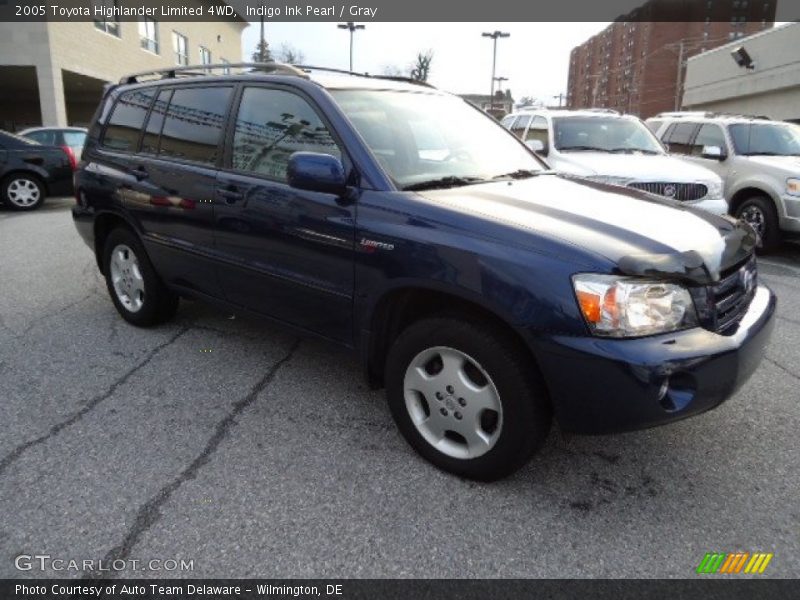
{"type": "Point", "coordinates": [230, 196]}
{"type": "Point", "coordinates": [140, 173]}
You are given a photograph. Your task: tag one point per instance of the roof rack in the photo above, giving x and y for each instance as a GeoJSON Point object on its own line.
{"type": "Point", "coordinates": [195, 70]}
{"type": "Point", "coordinates": [308, 68]}
{"type": "Point", "coordinates": [708, 115]}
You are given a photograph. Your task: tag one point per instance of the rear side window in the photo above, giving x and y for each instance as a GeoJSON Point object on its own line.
{"type": "Point", "coordinates": [538, 131]}
{"type": "Point", "coordinates": [74, 138]}
{"type": "Point", "coordinates": [507, 121]}
{"type": "Point", "coordinates": [193, 123]}
{"type": "Point", "coordinates": [127, 120]}
{"type": "Point", "coordinates": [678, 138]}
{"type": "Point", "coordinates": [271, 126]}
{"type": "Point", "coordinates": [519, 127]}
{"type": "Point", "coordinates": [43, 137]}
{"type": "Point", "coordinates": [156, 121]}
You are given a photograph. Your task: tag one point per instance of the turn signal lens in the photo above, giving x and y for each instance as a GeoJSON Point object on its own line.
{"type": "Point", "coordinates": [590, 306]}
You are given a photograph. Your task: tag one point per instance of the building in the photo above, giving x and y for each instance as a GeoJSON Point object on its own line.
{"type": "Point", "coordinates": [769, 86]}
{"type": "Point", "coordinates": [53, 73]}
{"type": "Point", "coordinates": [502, 105]}
{"type": "Point", "coordinates": [636, 64]}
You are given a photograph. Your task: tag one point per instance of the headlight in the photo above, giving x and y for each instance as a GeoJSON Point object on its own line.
{"type": "Point", "coordinates": [627, 307]}
{"type": "Point", "coordinates": [793, 186]}
{"type": "Point", "coordinates": [714, 189]}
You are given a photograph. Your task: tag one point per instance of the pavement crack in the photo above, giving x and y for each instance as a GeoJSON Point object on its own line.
{"type": "Point", "coordinates": [781, 367]}
{"type": "Point", "coordinates": [89, 406]}
{"type": "Point", "coordinates": [149, 513]}
{"type": "Point", "coordinates": [55, 313]}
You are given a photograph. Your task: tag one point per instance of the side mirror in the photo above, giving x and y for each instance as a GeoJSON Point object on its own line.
{"type": "Point", "coordinates": [316, 173]}
{"type": "Point", "coordinates": [713, 152]}
{"type": "Point", "coordinates": [537, 146]}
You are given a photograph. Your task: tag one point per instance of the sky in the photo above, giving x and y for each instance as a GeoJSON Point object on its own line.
{"type": "Point", "coordinates": [535, 58]}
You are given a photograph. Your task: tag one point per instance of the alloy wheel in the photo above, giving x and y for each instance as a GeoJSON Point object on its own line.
{"type": "Point", "coordinates": [126, 277]}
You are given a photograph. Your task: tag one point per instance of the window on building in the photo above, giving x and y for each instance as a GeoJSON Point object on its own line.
{"type": "Point", "coordinates": [180, 46]}
{"type": "Point", "coordinates": [108, 25]}
{"type": "Point", "coordinates": [205, 56]}
{"type": "Point", "coordinates": [708, 135]}
{"type": "Point", "coordinates": [148, 34]}
{"type": "Point", "coordinates": [193, 123]}
{"type": "Point", "coordinates": [271, 125]}
{"type": "Point", "coordinates": [127, 120]}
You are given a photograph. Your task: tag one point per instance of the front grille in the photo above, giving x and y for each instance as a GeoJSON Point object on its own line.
{"type": "Point", "coordinates": [676, 191]}
{"type": "Point", "coordinates": [722, 305]}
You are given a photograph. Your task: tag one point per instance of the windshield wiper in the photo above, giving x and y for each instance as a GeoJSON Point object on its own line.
{"type": "Point", "coordinates": [632, 150]}
{"type": "Point", "coordinates": [443, 182]}
{"type": "Point", "coordinates": [583, 149]}
{"type": "Point", "coordinates": [519, 174]}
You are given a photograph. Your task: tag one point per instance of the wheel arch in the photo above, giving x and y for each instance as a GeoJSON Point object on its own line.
{"type": "Point", "coordinates": [104, 224]}
{"type": "Point", "coordinates": [749, 191]}
{"type": "Point", "coordinates": [400, 307]}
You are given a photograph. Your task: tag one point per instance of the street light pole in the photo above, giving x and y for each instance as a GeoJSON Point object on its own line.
{"type": "Point", "coordinates": [494, 35]}
{"type": "Point", "coordinates": [351, 27]}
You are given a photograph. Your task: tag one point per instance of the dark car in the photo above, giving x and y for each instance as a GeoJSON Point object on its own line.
{"type": "Point", "coordinates": [485, 292]}
{"type": "Point", "coordinates": [71, 139]}
{"type": "Point", "coordinates": [29, 172]}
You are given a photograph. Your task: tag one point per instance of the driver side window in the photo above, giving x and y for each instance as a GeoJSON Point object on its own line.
{"type": "Point", "coordinates": [538, 131]}
{"type": "Point", "coordinates": [271, 125]}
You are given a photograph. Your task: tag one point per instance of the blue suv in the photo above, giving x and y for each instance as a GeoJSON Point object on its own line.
{"type": "Point", "coordinates": [485, 292]}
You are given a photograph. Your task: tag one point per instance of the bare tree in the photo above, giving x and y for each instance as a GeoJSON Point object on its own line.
{"type": "Point", "coordinates": [392, 71]}
{"type": "Point", "coordinates": [422, 66]}
{"type": "Point", "coordinates": [291, 55]}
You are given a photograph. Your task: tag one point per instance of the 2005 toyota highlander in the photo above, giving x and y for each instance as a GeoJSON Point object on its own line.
{"type": "Point", "coordinates": [484, 291]}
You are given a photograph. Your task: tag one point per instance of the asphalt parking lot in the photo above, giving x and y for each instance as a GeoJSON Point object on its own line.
{"type": "Point", "coordinates": [253, 453]}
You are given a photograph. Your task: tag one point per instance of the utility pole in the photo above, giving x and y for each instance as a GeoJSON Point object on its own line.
{"type": "Point", "coordinates": [560, 97]}
{"type": "Point", "coordinates": [678, 78]}
{"type": "Point", "coordinates": [351, 27]}
{"type": "Point", "coordinates": [494, 35]}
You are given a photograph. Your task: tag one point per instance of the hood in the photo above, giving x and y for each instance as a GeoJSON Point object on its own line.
{"type": "Point", "coordinates": [790, 163]}
{"type": "Point", "coordinates": [636, 167]}
{"type": "Point", "coordinates": [642, 234]}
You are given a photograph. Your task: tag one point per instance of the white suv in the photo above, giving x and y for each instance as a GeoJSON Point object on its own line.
{"type": "Point", "coordinates": [606, 146]}
{"type": "Point", "coordinates": [758, 160]}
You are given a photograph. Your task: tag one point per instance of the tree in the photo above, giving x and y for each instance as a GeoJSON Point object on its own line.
{"type": "Point", "coordinates": [422, 66]}
{"type": "Point", "coordinates": [392, 71]}
{"type": "Point", "coordinates": [527, 101]}
{"type": "Point", "coordinates": [262, 52]}
{"type": "Point", "coordinates": [291, 55]}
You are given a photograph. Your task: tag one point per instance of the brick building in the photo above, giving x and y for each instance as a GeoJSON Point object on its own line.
{"type": "Point", "coordinates": [637, 64]}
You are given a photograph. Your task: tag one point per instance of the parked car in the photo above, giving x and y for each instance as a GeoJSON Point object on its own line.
{"type": "Point", "coordinates": [758, 160]}
{"type": "Point", "coordinates": [71, 139]}
{"type": "Point", "coordinates": [30, 171]}
{"type": "Point", "coordinates": [613, 148]}
{"type": "Point", "coordinates": [484, 291]}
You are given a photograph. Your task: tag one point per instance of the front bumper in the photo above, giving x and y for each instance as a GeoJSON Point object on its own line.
{"type": "Point", "coordinates": [600, 385]}
{"type": "Point", "coordinates": [717, 206]}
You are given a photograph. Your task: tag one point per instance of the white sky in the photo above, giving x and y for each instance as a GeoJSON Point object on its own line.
{"type": "Point", "coordinates": [535, 58]}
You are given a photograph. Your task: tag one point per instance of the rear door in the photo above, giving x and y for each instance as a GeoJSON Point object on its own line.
{"type": "Point", "coordinates": [167, 182]}
{"type": "Point", "coordinates": [287, 253]}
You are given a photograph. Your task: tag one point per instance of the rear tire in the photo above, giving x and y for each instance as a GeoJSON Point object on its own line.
{"type": "Point", "coordinates": [22, 191]}
{"type": "Point", "coordinates": [759, 212]}
{"type": "Point", "coordinates": [467, 397]}
{"type": "Point", "coordinates": [138, 293]}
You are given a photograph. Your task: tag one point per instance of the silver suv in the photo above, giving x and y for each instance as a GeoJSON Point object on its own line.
{"type": "Point", "coordinates": [603, 145]}
{"type": "Point", "coordinates": [758, 160]}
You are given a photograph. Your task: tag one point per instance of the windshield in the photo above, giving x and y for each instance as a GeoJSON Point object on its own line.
{"type": "Point", "coordinates": [766, 139]}
{"type": "Point", "coordinates": [603, 134]}
{"type": "Point", "coordinates": [432, 140]}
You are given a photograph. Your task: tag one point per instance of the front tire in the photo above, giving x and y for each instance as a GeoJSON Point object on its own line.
{"type": "Point", "coordinates": [759, 212]}
{"type": "Point", "coordinates": [21, 191]}
{"type": "Point", "coordinates": [138, 293]}
{"type": "Point", "coordinates": [466, 397]}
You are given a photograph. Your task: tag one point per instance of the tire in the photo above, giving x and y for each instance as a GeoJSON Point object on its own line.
{"type": "Point", "coordinates": [759, 212]}
{"type": "Point", "coordinates": [22, 191]}
{"type": "Point", "coordinates": [487, 418]}
{"type": "Point", "coordinates": [138, 293]}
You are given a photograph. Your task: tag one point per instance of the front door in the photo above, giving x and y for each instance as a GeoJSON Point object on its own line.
{"type": "Point", "coordinates": [285, 253]}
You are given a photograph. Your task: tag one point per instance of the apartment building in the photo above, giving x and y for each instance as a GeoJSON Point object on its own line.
{"type": "Point", "coordinates": [637, 64]}
{"type": "Point", "coordinates": [52, 73]}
